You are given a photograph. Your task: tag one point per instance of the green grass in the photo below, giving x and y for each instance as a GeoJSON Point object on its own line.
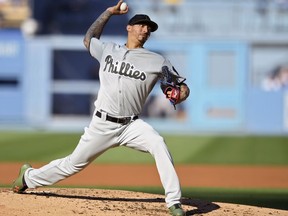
{"type": "Point", "coordinates": [249, 150]}
{"type": "Point", "coordinates": [242, 150]}
{"type": "Point", "coordinates": [27, 146]}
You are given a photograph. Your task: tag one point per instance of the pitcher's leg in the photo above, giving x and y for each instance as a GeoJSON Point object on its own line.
{"type": "Point", "coordinates": [51, 173]}
{"type": "Point", "coordinates": [90, 146]}
{"type": "Point", "coordinates": [166, 170]}
{"type": "Point", "coordinates": [141, 136]}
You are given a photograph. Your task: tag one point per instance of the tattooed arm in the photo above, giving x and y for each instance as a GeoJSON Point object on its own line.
{"type": "Point", "coordinates": [97, 27]}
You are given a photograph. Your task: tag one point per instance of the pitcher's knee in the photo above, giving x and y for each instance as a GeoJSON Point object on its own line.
{"type": "Point", "coordinates": [73, 166]}
{"type": "Point", "coordinates": [159, 146]}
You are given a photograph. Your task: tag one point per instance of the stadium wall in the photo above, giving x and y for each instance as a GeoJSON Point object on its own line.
{"type": "Point", "coordinates": [42, 86]}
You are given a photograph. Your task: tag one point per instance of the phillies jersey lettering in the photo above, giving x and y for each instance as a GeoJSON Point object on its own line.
{"type": "Point", "coordinates": [125, 69]}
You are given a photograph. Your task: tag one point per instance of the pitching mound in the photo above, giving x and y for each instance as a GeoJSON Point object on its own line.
{"type": "Point", "coordinates": [88, 202]}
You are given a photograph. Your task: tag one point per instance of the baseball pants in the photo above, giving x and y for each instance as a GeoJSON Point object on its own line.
{"type": "Point", "coordinates": [99, 137]}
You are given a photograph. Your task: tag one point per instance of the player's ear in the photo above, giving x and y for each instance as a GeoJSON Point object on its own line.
{"type": "Point", "coordinates": [128, 28]}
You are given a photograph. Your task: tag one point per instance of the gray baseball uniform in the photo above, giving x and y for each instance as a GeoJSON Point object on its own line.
{"type": "Point", "coordinates": [127, 76]}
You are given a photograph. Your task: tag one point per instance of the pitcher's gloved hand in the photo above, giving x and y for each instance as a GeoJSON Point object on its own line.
{"type": "Point", "coordinates": [177, 94]}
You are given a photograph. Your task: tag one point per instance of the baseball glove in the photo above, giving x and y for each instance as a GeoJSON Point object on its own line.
{"type": "Point", "coordinates": [173, 87]}
{"type": "Point", "coordinates": [172, 93]}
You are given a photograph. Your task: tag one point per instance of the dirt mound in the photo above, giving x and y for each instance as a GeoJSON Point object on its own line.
{"type": "Point", "coordinates": [88, 202]}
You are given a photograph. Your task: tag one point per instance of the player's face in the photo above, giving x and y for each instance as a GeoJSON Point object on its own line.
{"type": "Point", "coordinates": [140, 32]}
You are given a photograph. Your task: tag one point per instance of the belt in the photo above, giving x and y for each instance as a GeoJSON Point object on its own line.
{"type": "Point", "coordinates": [124, 120]}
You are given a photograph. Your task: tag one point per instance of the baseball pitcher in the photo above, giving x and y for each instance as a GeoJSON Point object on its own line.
{"type": "Point", "coordinates": [127, 75]}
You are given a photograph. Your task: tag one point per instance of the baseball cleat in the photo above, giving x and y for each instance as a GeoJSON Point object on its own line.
{"type": "Point", "coordinates": [19, 185]}
{"type": "Point", "coordinates": [176, 210]}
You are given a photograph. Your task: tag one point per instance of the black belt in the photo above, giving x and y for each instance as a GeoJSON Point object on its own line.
{"type": "Point", "coordinates": [124, 120]}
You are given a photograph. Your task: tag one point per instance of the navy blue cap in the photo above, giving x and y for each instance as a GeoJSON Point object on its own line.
{"type": "Point", "coordinates": [143, 19]}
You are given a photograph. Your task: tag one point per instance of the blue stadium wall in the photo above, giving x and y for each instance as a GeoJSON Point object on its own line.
{"type": "Point", "coordinates": [222, 98]}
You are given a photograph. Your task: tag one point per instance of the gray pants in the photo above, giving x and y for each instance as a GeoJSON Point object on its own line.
{"type": "Point", "coordinates": [99, 137]}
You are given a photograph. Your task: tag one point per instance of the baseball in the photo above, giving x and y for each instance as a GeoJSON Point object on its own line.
{"type": "Point", "coordinates": [123, 6]}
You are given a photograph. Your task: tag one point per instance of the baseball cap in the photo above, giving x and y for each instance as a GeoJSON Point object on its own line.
{"type": "Point", "coordinates": [143, 19]}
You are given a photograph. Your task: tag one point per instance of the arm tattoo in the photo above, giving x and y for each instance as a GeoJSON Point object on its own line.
{"type": "Point", "coordinates": [96, 28]}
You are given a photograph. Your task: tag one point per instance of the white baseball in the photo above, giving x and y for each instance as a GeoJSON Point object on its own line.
{"type": "Point", "coordinates": [123, 6]}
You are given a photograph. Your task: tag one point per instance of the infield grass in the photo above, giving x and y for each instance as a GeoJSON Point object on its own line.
{"type": "Point", "coordinates": [242, 150]}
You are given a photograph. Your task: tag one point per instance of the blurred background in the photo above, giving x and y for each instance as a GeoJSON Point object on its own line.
{"type": "Point", "coordinates": [234, 54]}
